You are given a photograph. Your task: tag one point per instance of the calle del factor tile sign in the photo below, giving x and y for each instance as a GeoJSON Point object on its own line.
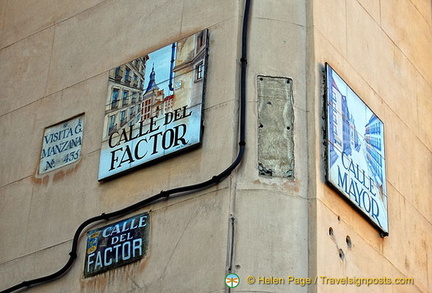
{"type": "Point", "coordinates": [154, 106]}
{"type": "Point", "coordinates": [355, 151]}
{"type": "Point", "coordinates": [116, 245]}
{"type": "Point", "coordinates": [61, 144]}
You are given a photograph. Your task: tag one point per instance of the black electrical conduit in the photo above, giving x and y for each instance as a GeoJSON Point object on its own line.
{"type": "Point", "coordinates": [163, 194]}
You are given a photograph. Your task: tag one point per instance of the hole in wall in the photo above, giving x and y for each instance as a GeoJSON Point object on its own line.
{"type": "Point", "coordinates": [348, 242]}
{"type": "Point", "coordinates": [331, 231]}
{"type": "Point", "coordinates": [341, 254]}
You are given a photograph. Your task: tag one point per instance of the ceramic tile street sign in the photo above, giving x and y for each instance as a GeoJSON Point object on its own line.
{"type": "Point", "coordinates": [154, 106]}
{"type": "Point", "coordinates": [355, 151]}
{"type": "Point", "coordinates": [116, 245]}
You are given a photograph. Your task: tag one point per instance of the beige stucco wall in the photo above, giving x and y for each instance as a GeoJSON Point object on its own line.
{"type": "Point", "coordinates": [55, 58]}
{"type": "Point", "coordinates": [382, 50]}
{"type": "Point", "coordinates": [54, 62]}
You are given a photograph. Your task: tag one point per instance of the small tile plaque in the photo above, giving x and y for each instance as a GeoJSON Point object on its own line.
{"type": "Point", "coordinates": [61, 144]}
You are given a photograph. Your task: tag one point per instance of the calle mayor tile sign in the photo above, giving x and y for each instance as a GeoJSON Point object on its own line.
{"type": "Point", "coordinates": [116, 245]}
{"type": "Point", "coordinates": [154, 106]}
{"type": "Point", "coordinates": [61, 144]}
{"type": "Point", "coordinates": [355, 151]}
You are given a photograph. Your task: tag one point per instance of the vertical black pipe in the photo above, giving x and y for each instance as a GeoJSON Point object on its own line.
{"type": "Point", "coordinates": [170, 85]}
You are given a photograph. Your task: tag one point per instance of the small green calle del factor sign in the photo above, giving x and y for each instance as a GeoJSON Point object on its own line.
{"type": "Point", "coordinates": [116, 245]}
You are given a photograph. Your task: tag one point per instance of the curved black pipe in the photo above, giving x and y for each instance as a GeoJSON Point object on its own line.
{"type": "Point", "coordinates": [163, 194]}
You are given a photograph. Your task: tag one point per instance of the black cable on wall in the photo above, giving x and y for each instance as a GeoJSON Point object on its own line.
{"type": "Point", "coordinates": [163, 194]}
